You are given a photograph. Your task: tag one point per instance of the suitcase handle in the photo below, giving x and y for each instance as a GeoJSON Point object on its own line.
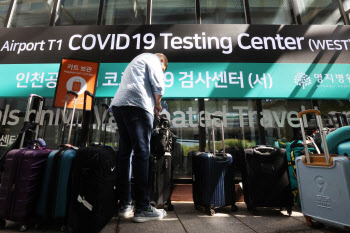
{"type": "Point", "coordinates": [75, 94]}
{"type": "Point", "coordinates": [323, 137]}
{"type": "Point", "coordinates": [37, 116]}
{"type": "Point", "coordinates": [104, 115]}
{"type": "Point", "coordinates": [257, 149]}
{"type": "Point", "coordinates": [315, 111]}
{"type": "Point", "coordinates": [213, 116]}
{"type": "Point", "coordinates": [83, 142]}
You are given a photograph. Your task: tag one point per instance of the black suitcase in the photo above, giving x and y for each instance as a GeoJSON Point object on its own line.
{"type": "Point", "coordinates": [160, 180]}
{"type": "Point", "coordinates": [93, 198]}
{"type": "Point", "coordinates": [265, 178]}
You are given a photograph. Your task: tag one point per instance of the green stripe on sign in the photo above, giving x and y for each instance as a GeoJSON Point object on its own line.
{"type": "Point", "coordinates": [196, 80]}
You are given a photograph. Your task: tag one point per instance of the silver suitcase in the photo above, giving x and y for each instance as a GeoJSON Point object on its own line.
{"type": "Point", "coordinates": [324, 183]}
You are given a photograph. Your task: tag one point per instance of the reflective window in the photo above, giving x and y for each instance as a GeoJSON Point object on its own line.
{"type": "Point", "coordinates": [280, 119]}
{"type": "Point", "coordinates": [319, 12]}
{"type": "Point", "coordinates": [173, 12]}
{"type": "Point", "coordinates": [125, 12]}
{"type": "Point", "coordinates": [77, 12]}
{"type": "Point", "coordinates": [279, 124]}
{"type": "Point", "coordinates": [31, 13]}
{"type": "Point", "coordinates": [4, 6]}
{"type": "Point", "coordinates": [270, 11]}
{"type": "Point", "coordinates": [222, 12]}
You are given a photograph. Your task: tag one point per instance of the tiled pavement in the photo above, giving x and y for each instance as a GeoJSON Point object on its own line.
{"type": "Point", "coordinates": [185, 218]}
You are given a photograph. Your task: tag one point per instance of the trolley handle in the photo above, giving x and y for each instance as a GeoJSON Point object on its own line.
{"type": "Point", "coordinates": [212, 116]}
{"type": "Point", "coordinates": [323, 137]}
{"type": "Point", "coordinates": [87, 93]}
{"type": "Point", "coordinates": [36, 96]}
{"type": "Point", "coordinates": [73, 93]}
{"type": "Point", "coordinates": [315, 111]}
{"type": "Point", "coordinates": [37, 116]}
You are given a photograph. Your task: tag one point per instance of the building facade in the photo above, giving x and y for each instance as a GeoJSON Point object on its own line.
{"type": "Point", "coordinates": [256, 62]}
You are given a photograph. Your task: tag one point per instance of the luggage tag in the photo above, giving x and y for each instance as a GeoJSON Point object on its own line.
{"type": "Point", "coordinates": [84, 202]}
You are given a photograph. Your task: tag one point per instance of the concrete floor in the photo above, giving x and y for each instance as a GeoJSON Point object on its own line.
{"type": "Point", "coordinates": [185, 218]}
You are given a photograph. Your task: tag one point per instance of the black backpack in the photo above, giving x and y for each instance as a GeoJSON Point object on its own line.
{"type": "Point", "coordinates": [162, 138]}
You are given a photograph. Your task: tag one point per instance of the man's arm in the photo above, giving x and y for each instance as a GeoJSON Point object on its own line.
{"type": "Point", "coordinates": [157, 105]}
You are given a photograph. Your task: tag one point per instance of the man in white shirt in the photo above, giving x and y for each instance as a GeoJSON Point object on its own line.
{"type": "Point", "coordinates": [134, 105]}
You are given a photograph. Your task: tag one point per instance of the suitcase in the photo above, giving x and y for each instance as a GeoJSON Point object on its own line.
{"type": "Point", "coordinates": [295, 149]}
{"type": "Point", "coordinates": [160, 180]}
{"type": "Point", "coordinates": [93, 185]}
{"type": "Point", "coordinates": [24, 168]}
{"type": "Point", "coordinates": [344, 148]}
{"type": "Point", "coordinates": [54, 196]}
{"type": "Point", "coordinates": [323, 182]}
{"type": "Point", "coordinates": [336, 137]}
{"type": "Point", "coordinates": [213, 183]}
{"type": "Point", "coordinates": [265, 178]}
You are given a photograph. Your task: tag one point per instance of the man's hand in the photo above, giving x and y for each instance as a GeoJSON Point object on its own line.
{"type": "Point", "coordinates": [157, 109]}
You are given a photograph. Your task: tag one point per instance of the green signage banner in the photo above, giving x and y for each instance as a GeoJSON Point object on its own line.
{"type": "Point", "coordinates": [196, 80]}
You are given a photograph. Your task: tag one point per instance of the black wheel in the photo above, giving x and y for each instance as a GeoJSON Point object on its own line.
{"type": "Point", "coordinates": [249, 207]}
{"type": "Point", "coordinates": [289, 211]}
{"type": "Point", "coordinates": [2, 224]}
{"type": "Point", "coordinates": [234, 208]}
{"type": "Point", "coordinates": [197, 207]}
{"type": "Point", "coordinates": [69, 230]}
{"type": "Point", "coordinates": [63, 228]}
{"type": "Point", "coordinates": [170, 207]}
{"type": "Point", "coordinates": [23, 228]}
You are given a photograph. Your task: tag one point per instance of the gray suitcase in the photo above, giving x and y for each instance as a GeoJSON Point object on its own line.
{"type": "Point", "coordinates": [324, 184]}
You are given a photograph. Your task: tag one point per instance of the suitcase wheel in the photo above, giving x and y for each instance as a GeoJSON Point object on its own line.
{"type": "Point", "coordinates": [23, 228]}
{"type": "Point", "coordinates": [289, 211]}
{"type": "Point", "coordinates": [63, 228]}
{"type": "Point", "coordinates": [312, 223]}
{"type": "Point", "coordinates": [170, 207]}
{"type": "Point", "coordinates": [2, 224]}
{"type": "Point", "coordinates": [234, 208]}
{"type": "Point", "coordinates": [210, 211]}
{"type": "Point", "coordinates": [250, 207]}
{"type": "Point", "coordinates": [197, 207]}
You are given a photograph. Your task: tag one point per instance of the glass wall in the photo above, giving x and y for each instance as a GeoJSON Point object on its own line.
{"type": "Point", "coordinates": [319, 12]}
{"type": "Point", "coordinates": [222, 12]}
{"type": "Point", "coordinates": [125, 12]}
{"type": "Point", "coordinates": [4, 6]}
{"type": "Point", "coordinates": [271, 11]}
{"type": "Point", "coordinates": [77, 12]}
{"type": "Point", "coordinates": [173, 12]}
{"type": "Point", "coordinates": [31, 13]}
{"type": "Point", "coordinates": [278, 120]}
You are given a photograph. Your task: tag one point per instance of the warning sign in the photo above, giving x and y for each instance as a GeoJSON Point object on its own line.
{"type": "Point", "coordinates": [78, 76]}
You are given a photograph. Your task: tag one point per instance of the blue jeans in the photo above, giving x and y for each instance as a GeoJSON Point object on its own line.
{"type": "Point", "coordinates": [135, 128]}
